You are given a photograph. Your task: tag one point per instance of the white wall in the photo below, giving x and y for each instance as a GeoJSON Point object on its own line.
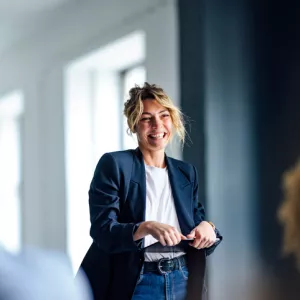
{"type": "Point", "coordinates": [36, 67]}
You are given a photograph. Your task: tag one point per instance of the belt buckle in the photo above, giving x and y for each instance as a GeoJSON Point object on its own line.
{"type": "Point", "coordinates": [159, 266]}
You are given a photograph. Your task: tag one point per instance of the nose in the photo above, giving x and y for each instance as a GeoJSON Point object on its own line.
{"type": "Point", "coordinates": [156, 122]}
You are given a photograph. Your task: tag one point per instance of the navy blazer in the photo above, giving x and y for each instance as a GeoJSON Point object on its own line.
{"type": "Point", "coordinates": [117, 201]}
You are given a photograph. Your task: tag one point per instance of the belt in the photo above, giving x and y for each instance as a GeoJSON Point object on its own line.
{"type": "Point", "coordinates": [165, 265]}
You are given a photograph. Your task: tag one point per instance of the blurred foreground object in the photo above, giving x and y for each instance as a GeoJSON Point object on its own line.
{"type": "Point", "coordinates": [289, 212]}
{"type": "Point", "coordinates": [37, 275]}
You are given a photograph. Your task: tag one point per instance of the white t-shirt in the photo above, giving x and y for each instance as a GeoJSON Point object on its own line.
{"type": "Point", "coordinates": [160, 207]}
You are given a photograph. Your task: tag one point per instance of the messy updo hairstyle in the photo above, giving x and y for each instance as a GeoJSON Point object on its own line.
{"type": "Point", "coordinates": [133, 107]}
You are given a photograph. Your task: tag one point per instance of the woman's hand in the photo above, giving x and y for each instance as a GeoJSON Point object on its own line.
{"type": "Point", "coordinates": [167, 235]}
{"type": "Point", "coordinates": [204, 236]}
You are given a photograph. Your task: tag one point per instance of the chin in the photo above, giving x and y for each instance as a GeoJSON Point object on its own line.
{"type": "Point", "coordinates": [150, 146]}
{"type": "Point", "coordinates": [159, 147]}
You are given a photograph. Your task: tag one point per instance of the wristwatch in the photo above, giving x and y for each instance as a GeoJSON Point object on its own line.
{"type": "Point", "coordinates": [212, 225]}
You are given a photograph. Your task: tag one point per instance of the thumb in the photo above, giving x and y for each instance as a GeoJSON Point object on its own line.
{"type": "Point", "coordinates": [183, 237]}
{"type": "Point", "coordinates": [191, 235]}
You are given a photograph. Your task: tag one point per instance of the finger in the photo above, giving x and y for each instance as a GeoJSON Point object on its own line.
{"type": "Point", "coordinates": [191, 235]}
{"type": "Point", "coordinates": [172, 238]}
{"type": "Point", "coordinates": [196, 243]}
{"type": "Point", "coordinates": [175, 235]}
{"type": "Point", "coordinates": [178, 237]}
{"type": "Point", "coordinates": [212, 242]}
{"type": "Point", "coordinates": [169, 240]}
{"type": "Point", "coordinates": [162, 240]}
{"type": "Point", "coordinates": [182, 237]}
{"type": "Point", "coordinates": [203, 242]}
{"type": "Point", "coordinates": [207, 244]}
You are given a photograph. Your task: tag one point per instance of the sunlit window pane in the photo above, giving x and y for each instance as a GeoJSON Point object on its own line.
{"type": "Point", "coordinates": [93, 125]}
{"type": "Point", "coordinates": [131, 77]}
{"type": "Point", "coordinates": [10, 173]}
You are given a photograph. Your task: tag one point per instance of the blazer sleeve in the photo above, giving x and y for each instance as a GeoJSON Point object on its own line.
{"type": "Point", "coordinates": [199, 214]}
{"type": "Point", "coordinates": [199, 211]}
{"type": "Point", "coordinates": [104, 203]}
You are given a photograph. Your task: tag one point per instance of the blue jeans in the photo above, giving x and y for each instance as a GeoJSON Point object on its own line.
{"type": "Point", "coordinates": [156, 286]}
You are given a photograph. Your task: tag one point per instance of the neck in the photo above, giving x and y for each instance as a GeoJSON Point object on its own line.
{"type": "Point", "coordinates": [154, 158]}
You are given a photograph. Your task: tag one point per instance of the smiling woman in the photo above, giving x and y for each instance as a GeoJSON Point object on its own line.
{"type": "Point", "coordinates": [135, 108]}
{"type": "Point", "coordinates": [155, 127]}
{"type": "Point", "coordinates": [146, 221]}
{"type": "Point", "coordinates": [152, 116]}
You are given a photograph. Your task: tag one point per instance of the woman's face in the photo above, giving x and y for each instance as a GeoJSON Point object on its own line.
{"type": "Point", "coordinates": [154, 128]}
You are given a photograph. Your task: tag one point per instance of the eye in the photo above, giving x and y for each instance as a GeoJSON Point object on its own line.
{"type": "Point", "coordinates": [165, 115]}
{"type": "Point", "coordinates": [145, 119]}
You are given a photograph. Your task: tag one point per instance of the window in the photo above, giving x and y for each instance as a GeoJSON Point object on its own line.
{"type": "Point", "coordinates": [11, 108]}
{"type": "Point", "coordinates": [130, 78]}
{"type": "Point", "coordinates": [93, 125]}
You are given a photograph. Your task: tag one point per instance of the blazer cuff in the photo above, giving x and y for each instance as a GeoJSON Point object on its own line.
{"type": "Point", "coordinates": [212, 248]}
{"type": "Point", "coordinates": [128, 243]}
{"type": "Point", "coordinates": [138, 243]}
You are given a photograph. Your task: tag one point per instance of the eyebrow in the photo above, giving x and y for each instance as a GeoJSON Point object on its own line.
{"type": "Point", "coordinates": [147, 113]}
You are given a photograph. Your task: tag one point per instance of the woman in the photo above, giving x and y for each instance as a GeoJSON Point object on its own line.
{"type": "Point", "coordinates": [146, 222]}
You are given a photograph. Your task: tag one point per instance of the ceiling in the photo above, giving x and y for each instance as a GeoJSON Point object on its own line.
{"type": "Point", "coordinates": [15, 8]}
{"type": "Point", "coordinates": [19, 18]}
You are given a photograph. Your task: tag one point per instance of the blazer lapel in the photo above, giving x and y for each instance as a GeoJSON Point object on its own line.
{"type": "Point", "coordinates": [181, 190]}
{"type": "Point", "coordinates": [137, 187]}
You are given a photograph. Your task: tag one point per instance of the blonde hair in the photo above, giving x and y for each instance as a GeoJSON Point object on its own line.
{"type": "Point", "coordinates": [289, 212]}
{"type": "Point", "coordinates": [133, 107]}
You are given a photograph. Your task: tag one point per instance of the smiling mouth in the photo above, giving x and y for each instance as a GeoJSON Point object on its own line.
{"type": "Point", "coordinates": [157, 136]}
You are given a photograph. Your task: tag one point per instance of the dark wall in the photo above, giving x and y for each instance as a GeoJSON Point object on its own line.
{"type": "Point", "coordinates": [191, 50]}
{"type": "Point", "coordinates": [240, 72]}
{"type": "Point", "coordinates": [277, 90]}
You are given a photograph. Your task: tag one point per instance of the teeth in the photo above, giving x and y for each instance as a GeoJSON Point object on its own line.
{"type": "Point", "coordinates": [158, 136]}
